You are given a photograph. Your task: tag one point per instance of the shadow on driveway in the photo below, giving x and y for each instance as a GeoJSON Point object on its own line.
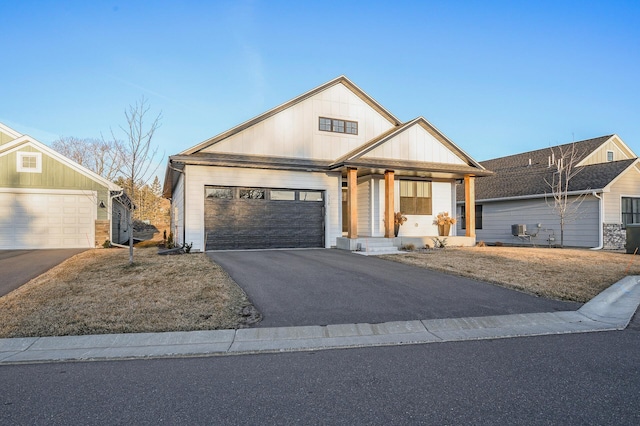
{"type": "Point", "coordinates": [329, 286]}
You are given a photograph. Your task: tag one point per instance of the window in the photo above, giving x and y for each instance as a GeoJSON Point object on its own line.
{"type": "Point", "coordinates": [252, 194]}
{"type": "Point", "coordinates": [415, 197]}
{"type": "Point", "coordinates": [282, 195]}
{"type": "Point", "coordinates": [29, 162]}
{"type": "Point", "coordinates": [463, 216]}
{"type": "Point", "coordinates": [338, 126]}
{"type": "Point", "coordinates": [310, 196]}
{"type": "Point", "coordinates": [219, 193]}
{"type": "Point", "coordinates": [609, 156]}
{"type": "Point", "coordinates": [630, 211]}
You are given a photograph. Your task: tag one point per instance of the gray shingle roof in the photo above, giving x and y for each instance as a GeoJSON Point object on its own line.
{"type": "Point", "coordinates": [514, 177]}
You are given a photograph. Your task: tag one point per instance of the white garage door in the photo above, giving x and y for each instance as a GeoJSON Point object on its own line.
{"type": "Point", "coordinates": [30, 220]}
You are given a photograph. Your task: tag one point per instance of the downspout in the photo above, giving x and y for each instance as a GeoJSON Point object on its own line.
{"type": "Point", "coordinates": [600, 223]}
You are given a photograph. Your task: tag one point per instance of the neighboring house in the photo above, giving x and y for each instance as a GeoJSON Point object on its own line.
{"type": "Point", "coordinates": [322, 170]}
{"type": "Point", "coordinates": [48, 201]}
{"type": "Point", "coordinates": [608, 177]}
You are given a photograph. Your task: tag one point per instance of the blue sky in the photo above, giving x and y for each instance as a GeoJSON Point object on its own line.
{"type": "Point", "coordinates": [497, 78]}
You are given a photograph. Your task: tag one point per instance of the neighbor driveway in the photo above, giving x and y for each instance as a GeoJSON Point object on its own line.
{"type": "Point", "coordinates": [329, 286]}
{"type": "Point", "coordinates": [17, 267]}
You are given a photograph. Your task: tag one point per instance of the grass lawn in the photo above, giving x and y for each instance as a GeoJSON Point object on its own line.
{"type": "Point", "coordinates": [566, 274]}
{"type": "Point", "coordinates": [98, 292]}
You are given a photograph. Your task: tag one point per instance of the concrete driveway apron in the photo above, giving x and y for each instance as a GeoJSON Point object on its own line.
{"type": "Point", "coordinates": [328, 286]}
{"type": "Point", "coordinates": [17, 267]}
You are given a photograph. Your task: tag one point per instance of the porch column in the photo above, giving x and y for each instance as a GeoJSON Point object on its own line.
{"type": "Point", "coordinates": [389, 198]}
{"type": "Point", "coordinates": [352, 203]}
{"type": "Point", "coordinates": [470, 204]}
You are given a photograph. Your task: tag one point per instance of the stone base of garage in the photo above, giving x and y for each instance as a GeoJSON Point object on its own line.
{"type": "Point", "coordinates": [373, 244]}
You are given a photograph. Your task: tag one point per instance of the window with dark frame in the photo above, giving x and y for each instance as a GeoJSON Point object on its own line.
{"type": "Point", "coordinates": [463, 217]}
{"type": "Point", "coordinates": [415, 197]}
{"type": "Point", "coordinates": [630, 211]}
{"type": "Point", "coordinates": [609, 156]}
{"type": "Point", "coordinates": [338, 126]}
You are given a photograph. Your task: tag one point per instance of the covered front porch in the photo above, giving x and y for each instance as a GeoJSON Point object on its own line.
{"type": "Point", "coordinates": [372, 197]}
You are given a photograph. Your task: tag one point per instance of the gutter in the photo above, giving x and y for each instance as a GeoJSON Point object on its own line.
{"type": "Point", "coordinates": [600, 224]}
{"type": "Point", "coordinates": [534, 196]}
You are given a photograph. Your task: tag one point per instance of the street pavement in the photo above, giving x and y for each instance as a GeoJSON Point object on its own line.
{"type": "Point", "coordinates": [575, 379]}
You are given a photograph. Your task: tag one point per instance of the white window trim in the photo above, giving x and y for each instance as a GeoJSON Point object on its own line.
{"type": "Point", "coordinates": [612, 156]}
{"type": "Point", "coordinates": [38, 156]}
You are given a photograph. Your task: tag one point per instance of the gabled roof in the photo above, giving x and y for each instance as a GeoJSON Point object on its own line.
{"type": "Point", "coordinates": [356, 154]}
{"type": "Point", "coordinates": [526, 175]}
{"type": "Point", "coordinates": [339, 80]}
{"type": "Point", "coordinates": [26, 140]}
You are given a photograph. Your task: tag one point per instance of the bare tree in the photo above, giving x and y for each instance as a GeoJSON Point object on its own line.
{"type": "Point", "coordinates": [566, 206]}
{"type": "Point", "coordinates": [138, 152]}
{"type": "Point", "coordinates": [98, 155]}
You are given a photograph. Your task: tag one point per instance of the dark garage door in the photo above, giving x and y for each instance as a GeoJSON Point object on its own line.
{"type": "Point", "coordinates": [257, 218]}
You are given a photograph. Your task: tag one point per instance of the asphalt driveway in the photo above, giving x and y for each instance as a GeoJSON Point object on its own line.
{"type": "Point", "coordinates": [17, 267]}
{"type": "Point", "coordinates": [329, 286]}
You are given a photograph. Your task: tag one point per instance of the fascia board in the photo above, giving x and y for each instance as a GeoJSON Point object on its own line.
{"type": "Point", "coordinates": [536, 196]}
{"type": "Point", "coordinates": [9, 131]}
{"type": "Point", "coordinates": [614, 180]}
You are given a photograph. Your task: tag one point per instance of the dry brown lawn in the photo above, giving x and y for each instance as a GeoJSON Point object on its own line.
{"type": "Point", "coordinates": [98, 292]}
{"type": "Point", "coordinates": [566, 274]}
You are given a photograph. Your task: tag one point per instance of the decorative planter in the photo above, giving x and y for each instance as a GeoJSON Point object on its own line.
{"type": "Point", "coordinates": [396, 229]}
{"type": "Point", "coordinates": [443, 230]}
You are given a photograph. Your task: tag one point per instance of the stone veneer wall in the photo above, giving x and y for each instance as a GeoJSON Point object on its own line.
{"type": "Point", "coordinates": [614, 236]}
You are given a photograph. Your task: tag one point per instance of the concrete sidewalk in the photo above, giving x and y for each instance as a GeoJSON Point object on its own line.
{"type": "Point", "coordinates": [610, 310]}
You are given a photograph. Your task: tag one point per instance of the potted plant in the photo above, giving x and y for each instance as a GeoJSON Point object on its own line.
{"type": "Point", "coordinates": [398, 220]}
{"type": "Point", "coordinates": [444, 222]}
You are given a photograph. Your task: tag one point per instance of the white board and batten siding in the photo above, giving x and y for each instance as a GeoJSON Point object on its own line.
{"type": "Point", "coordinates": [497, 218]}
{"type": "Point", "coordinates": [201, 176]}
{"type": "Point", "coordinates": [294, 132]}
{"type": "Point", "coordinates": [45, 219]}
{"type": "Point", "coordinates": [441, 201]}
{"type": "Point", "coordinates": [415, 144]}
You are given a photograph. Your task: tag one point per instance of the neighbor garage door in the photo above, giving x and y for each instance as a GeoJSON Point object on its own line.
{"type": "Point", "coordinates": [257, 218]}
{"type": "Point", "coordinates": [46, 220]}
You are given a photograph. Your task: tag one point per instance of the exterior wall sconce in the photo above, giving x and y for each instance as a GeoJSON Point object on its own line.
{"type": "Point", "coordinates": [101, 205]}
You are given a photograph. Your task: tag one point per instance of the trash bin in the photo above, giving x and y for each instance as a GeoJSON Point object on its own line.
{"type": "Point", "coordinates": [633, 238]}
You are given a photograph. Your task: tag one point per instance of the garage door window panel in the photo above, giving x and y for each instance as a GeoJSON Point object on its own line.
{"type": "Point", "coordinates": [283, 195]}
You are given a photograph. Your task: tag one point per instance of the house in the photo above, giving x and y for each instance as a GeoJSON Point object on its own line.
{"type": "Point", "coordinates": [48, 201]}
{"type": "Point", "coordinates": [328, 168]}
{"type": "Point", "coordinates": [607, 180]}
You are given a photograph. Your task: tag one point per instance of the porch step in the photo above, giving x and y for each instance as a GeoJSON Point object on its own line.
{"type": "Point", "coordinates": [377, 246]}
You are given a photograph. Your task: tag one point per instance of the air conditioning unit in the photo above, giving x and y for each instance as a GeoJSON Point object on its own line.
{"type": "Point", "coordinates": [517, 230]}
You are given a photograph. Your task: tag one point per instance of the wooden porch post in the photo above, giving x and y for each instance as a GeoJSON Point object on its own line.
{"type": "Point", "coordinates": [352, 203]}
{"type": "Point", "coordinates": [470, 204]}
{"type": "Point", "coordinates": [389, 198]}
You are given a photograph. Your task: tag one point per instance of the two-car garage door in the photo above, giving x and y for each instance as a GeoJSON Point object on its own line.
{"type": "Point", "coordinates": [31, 220]}
{"type": "Point", "coordinates": [258, 218]}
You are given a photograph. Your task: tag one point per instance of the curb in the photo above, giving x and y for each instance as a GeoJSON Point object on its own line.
{"type": "Point", "coordinates": [610, 310]}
